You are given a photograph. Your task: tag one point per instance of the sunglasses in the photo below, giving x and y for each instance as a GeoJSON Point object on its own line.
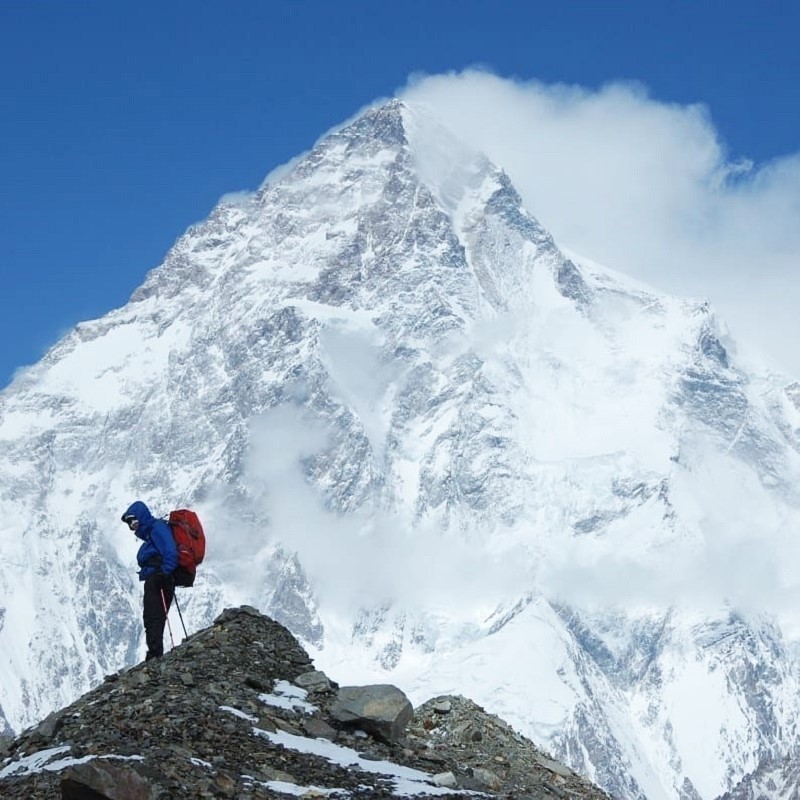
{"type": "Point", "coordinates": [131, 522]}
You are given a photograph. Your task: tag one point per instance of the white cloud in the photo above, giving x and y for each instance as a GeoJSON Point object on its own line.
{"type": "Point", "coordinates": [372, 556]}
{"type": "Point", "coordinates": [734, 546]}
{"type": "Point", "coordinates": [646, 187]}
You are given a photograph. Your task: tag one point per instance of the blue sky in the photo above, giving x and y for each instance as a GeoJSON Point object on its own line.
{"type": "Point", "coordinates": [123, 123]}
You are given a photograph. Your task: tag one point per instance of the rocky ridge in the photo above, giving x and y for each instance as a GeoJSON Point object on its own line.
{"type": "Point", "coordinates": [238, 711]}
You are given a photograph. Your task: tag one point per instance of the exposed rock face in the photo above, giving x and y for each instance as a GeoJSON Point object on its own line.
{"type": "Point", "coordinates": [774, 778]}
{"type": "Point", "coordinates": [224, 715]}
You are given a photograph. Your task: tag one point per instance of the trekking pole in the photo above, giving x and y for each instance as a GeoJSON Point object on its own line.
{"type": "Point", "coordinates": [166, 616]}
{"type": "Point", "coordinates": [185, 634]}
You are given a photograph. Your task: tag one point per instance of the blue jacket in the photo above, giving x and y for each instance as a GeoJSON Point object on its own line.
{"type": "Point", "coordinates": [158, 552]}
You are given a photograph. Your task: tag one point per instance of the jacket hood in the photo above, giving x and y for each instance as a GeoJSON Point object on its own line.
{"type": "Point", "coordinates": [142, 513]}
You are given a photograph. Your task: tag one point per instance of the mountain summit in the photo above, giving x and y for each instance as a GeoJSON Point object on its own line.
{"type": "Point", "coordinates": [440, 450]}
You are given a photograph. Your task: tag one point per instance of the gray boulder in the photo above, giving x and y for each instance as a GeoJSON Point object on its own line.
{"type": "Point", "coordinates": [95, 780]}
{"type": "Point", "coordinates": [381, 710]}
{"type": "Point", "coordinates": [314, 681]}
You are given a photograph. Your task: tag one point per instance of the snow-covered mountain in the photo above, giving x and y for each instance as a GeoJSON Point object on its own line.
{"type": "Point", "coordinates": [439, 449]}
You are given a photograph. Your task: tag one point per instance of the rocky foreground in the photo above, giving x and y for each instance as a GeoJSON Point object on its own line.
{"type": "Point", "coordinates": [238, 711]}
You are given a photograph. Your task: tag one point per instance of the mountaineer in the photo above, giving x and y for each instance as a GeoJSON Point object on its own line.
{"type": "Point", "coordinates": [158, 559]}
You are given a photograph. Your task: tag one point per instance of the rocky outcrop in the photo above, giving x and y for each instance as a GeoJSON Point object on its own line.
{"type": "Point", "coordinates": [238, 711]}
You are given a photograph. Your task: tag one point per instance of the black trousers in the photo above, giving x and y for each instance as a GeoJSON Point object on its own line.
{"type": "Point", "coordinates": [159, 590]}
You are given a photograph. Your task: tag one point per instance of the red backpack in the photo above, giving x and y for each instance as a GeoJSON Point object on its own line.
{"type": "Point", "coordinates": [190, 540]}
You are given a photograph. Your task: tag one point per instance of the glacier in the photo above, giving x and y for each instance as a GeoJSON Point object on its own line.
{"type": "Point", "coordinates": [444, 451]}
